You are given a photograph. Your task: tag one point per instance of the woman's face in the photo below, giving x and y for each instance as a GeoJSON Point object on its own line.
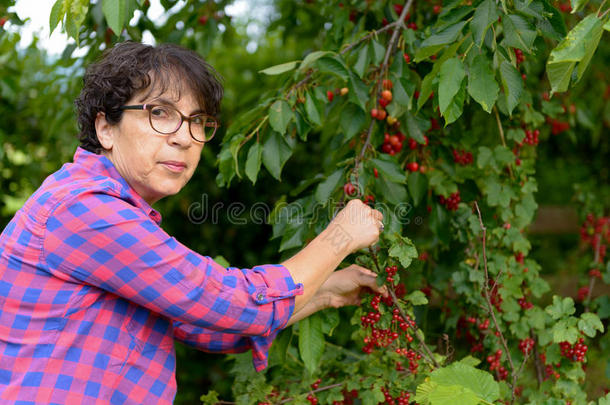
{"type": "Point", "coordinates": [153, 164]}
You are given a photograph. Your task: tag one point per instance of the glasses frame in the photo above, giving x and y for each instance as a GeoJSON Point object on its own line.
{"type": "Point", "coordinates": [149, 108]}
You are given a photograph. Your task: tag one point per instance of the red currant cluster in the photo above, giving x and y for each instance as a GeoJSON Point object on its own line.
{"type": "Point", "coordinates": [523, 303]}
{"type": "Point", "coordinates": [462, 157]}
{"type": "Point", "coordinates": [494, 364]}
{"type": "Point", "coordinates": [413, 358]}
{"type": "Point", "coordinates": [391, 270]}
{"type": "Point", "coordinates": [526, 345]}
{"type": "Point", "coordinates": [549, 369]}
{"type": "Point", "coordinates": [381, 338]}
{"type": "Point", "coordinates": [519, 56]}
{"type": "Point", "coordinates": [494, 297]}
{"type": "Point", "coordinates": [348, 397]}
{"type": "Point", "coordinates": [595, 273]}
{"type": "Point", "coordinates": [402, 399]}
{"type": "Point", "coordinates": [531, 137]}
{"type": "Point", "coordinates": [349, 189]}
{"type": "Point", "coordinates": [519, 257]}
{"type": "Point", "coordinates": [583, 292]}
{"type": "Point", "coordinates": [557, 126]}
{"type": "Point", "coordinates": [392, 144]}
{"type": "Point", "coordinates": [574, 352]}
{"type": "Point", "coordinates": [451, 202]}
{"type": "Point", "coordinates": [596, 232]}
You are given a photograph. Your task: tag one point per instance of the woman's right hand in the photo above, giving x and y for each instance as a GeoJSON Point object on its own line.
{"type": "Point", "coordinates": [359, 222]}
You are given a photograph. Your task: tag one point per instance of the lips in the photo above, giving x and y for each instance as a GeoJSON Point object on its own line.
{"type": "Point", "coordinates": [174, 165]}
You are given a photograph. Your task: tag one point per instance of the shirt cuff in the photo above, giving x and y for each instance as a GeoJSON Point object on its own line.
{"type": "Point", "coordinates": [279, 289]}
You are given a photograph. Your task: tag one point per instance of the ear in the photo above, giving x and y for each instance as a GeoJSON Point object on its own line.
{"type": "Point", "coordinates": [104, 131]}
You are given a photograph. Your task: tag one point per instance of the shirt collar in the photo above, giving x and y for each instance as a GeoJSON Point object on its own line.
{"type": "Point", "coordinates": [102, 166]}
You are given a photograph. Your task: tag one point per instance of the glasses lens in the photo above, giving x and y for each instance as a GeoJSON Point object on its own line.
{"type": "Point", "coordinates": [203, 127]}
{"type": "Point", "coordinates": [164, 119]}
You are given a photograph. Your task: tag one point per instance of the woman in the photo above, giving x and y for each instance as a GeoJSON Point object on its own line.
{"type": "Point", "coordinates": [93, 292]}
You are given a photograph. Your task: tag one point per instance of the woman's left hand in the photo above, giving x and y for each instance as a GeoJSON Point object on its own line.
{"type": "Point", "coordinates": [343, 287]}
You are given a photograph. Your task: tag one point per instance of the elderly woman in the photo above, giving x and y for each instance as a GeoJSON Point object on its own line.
{"type": "Point", "coordinates": [93, 292]}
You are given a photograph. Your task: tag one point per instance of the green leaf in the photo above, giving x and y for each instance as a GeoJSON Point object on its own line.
{"type": "Point", "coordinates": [57, 14]}
{"type": "Point", "coordinates": [280, 115]}
{"type": "Point", "coordinates": [477, 381]}
{"type": "Point", "coordinates": [413, 129]}
{"type": "Point", "coordinates": [359, 91]}
{"type": "Point", "coordinates": [589, 323]}
{"type": "Point", "coordinates": [417, 298]}
{"type": "Point", "coordinates": [394, 193]}
{"type": "Point", "coordinates": [482, 85]}
{"type": "Point", "coordinates": [362, 62]}
{"type": "Point", "coordinates": [333, 65]}
{"type": "Point", "coordinates": [484, 157]}
{"type": "Point", "coordinates": [578, 5]}
{"type": "Point", "coordinates": [454, 110]}
{"type": "Point", "coordinates": [453, 394]}
{"type": "Point", "coordinates": [378, 51]}
{"type": "Point", "coordinates": [275, 154]}
{"type": "Point", "coordinates": [512, 83]}
{"type": "Point", "coordinates": [312, 110]}
{"type": "Point", "coordinates": [114, 11]}
{"type": "Point", "coordinates": [498, 194]}
{"type": "Point", "coordinates": [312, 57]}
{"type": "Point", "coordinates": [485, 15]}
{"type": "Point", "coordinates": [210, 398]}
{"type": "Point", "coordinates": [452, 74]}
{"type": "Point", "coordinates": [565, 330]}
{"type": "Point", "coordinates": [292, 236]}
{"type": "Point", "coordinates": [518, 32]}
{"type": "Point", "coordinates": [577, 47]}
{"type": "Point", "coordinates": [279, 69]}
{"type": "Point", "coordinates": [311, 342]}
{"type": "Point", "coordinates": [404, 250]}
{"type": "Point", "coordinates": [417, 184]}
{"type": "Point", "coordinates": [351, 121]}
{"type": "Point", "coordinates": [603, 303]}
{"type": "Point", "coordinates": [561, 307]}
{"type": "Point", "coordinates": [446, 36]}
{"type": "Point", "coordinates": [403, 93]}
{"type": "Point", "coordinates": [427, 83]}
{"type": "Point", "coordinates": [390, 170]}
{"type": "Point", "coordinates": [330, 320]}
{"type": "Point", "coordinates": [326, 188]}
{"type": "Point", "coordinates": [253, 162]}
{"type": "Point", "coordinates": [607, 25]}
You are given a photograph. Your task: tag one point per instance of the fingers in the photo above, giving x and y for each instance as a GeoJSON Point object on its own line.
{"type": "Point", "coordinates": [368, 279]}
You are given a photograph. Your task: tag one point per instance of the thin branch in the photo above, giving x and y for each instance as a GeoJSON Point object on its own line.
{"type": "Point", "coordinates": [592, 278]}
{"type": "Point", "coordinates": [301, 83]}
{"type": "Point", "coordinates": [488, 302]}
{"type": "Point", "coordinates": [537, 359]}
{"type": "Point", "coordinates": [384, 67]}
{"type": "Point", "coordinates": [328, 387]}
{"type": "Point", "coordinates": [501, 130]}
{"type": "Point", "coordinates": [397, 24]}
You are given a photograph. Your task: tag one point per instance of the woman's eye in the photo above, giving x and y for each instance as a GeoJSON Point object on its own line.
{"type": "Point", "coordinates": [160, 112]}
{"type": "Point", "coordinates": [199, 120]}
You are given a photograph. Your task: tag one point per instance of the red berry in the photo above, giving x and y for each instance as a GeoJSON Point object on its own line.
{"type": "Point", "coordinates": [374, 113]}
{"type": "Point", "coordinates": [381, 114]}
{"type": "Point", "coordinates": [386, 95]}
{"type": "Point", "coordinates": [375, 172]}
{"type": "Point", "coordinates": [437, 9]}
{"type": "Point", "coordinates": [330, 95]}
{"type": "Point", "coordinates": [407, 58]}
{"type": "Point", "coordinates": [412, 166]}
{"type": "Point", "coordinates": [203, 20]}
{"type": "Point", "coordinates": [383, 102]}
{"type": "Point", "coordinates": [387, 84]}
{"type": "Point", "coordinates": [3, 21]}
{"type": "Point", "coordinates": [349, 189]}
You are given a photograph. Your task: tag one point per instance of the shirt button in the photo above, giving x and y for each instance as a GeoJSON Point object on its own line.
{"type": "Point", "coordinates": [260, 297]}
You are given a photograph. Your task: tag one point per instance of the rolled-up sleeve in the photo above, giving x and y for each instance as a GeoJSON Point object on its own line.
{"type": "Point", "coordinates": [220, 342]}
{"type": "Point", "coordinates": [102, 240]}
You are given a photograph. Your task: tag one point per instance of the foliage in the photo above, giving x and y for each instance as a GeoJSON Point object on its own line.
{"type": "Point", "coordinates": [452, 156]}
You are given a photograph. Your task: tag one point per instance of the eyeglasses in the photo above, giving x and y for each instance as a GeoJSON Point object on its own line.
{"type": "Point", "coordinates": [167, 120]}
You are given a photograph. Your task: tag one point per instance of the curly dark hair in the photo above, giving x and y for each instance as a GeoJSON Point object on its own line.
{"type": "Point", "coordinates": [131, 67]}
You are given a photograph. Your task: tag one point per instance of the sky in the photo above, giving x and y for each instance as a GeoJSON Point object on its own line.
{"type": "Point", "coordinates": [54, 44]}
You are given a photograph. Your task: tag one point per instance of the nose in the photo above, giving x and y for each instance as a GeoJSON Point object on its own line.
{"type": "Point", "coordinates": [182, 136]}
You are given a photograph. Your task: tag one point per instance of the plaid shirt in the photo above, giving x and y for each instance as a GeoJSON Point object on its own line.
{"type": "Point", "coordinates": [93, 293]}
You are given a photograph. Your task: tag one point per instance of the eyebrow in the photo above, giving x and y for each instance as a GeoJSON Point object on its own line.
{"type": "Point", "coordinates": [170, 103]}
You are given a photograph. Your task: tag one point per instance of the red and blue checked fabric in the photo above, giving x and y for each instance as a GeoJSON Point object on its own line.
{"type": "Point", "coordinates": [93, 293]}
